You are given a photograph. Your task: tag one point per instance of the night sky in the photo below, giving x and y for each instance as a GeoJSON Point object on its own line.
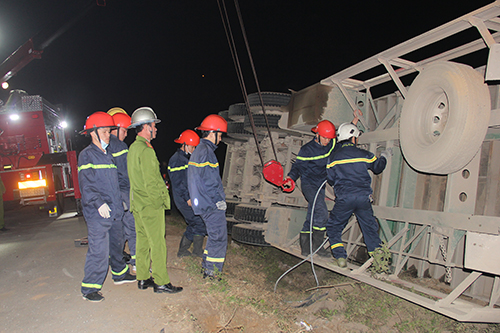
{"type": "Point", "coordinates": [173, 56]}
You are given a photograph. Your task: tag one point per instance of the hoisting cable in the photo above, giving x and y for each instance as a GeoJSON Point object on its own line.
{"type": "Point", "coordinates": [254, 75]}
{"type": "Point", "coordinates": [239, 72]}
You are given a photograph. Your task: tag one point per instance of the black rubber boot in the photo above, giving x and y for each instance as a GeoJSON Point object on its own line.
{"type": "Point", "coordinates": [183, 247]}
{"type": "Point", "coordinates": [305, 246]}
{"type": "Point", "coordinates": [198, 245]}
{"type": "Point", "coordinates": [318, 238]}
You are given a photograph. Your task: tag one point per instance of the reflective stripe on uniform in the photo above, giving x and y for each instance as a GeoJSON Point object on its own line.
{"type": "Point", "coordinates": [204, 164]}
{"type": "Point", "coordinates": [96, 166]}
{"type": "Point", "coordinates": [180, 168]}
{"type": "Point", "coordinates": [92, 285]}
{"type": "Point", "coordinates": [119, 153]}
{"type": "Point", "coordinates": [122, 272]}
{"type": "Point", "coordinates": [319, 228]}
{"type": "Point", "coordinates": [314, 157]}
{"type": "Point", "coordinates": [211, 259]}
{"type": "Point", "coordinates": [352, 160]}
{"type": "Point", "coordinates": [336, 245]}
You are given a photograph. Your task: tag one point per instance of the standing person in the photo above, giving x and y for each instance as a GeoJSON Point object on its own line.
{"type": "Point", "coordinates": [119, 151]}
{"type": "Point", "coordinates": [2, 220]}
{"type": "Point", "coordinates": [102, 209]}
{"type": "Point", "coordinates": [177, 171]}
{"type": "Point", "coordinates": [148, 200]}
{"type": "Point", "coordinates": [347, 172]}
{"type": "Point", "coordinates": [310, 165]}
{"type": "Point", "coordinates": [207, 194]}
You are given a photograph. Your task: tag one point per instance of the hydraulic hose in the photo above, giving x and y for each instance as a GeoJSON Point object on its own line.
{"type": "Point", "coordinates": [311, 255]}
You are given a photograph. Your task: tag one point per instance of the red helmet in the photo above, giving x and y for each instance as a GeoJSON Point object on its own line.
{"type": "Point", "coordinates": [213, 122]}
{"type": "Point", "coordinates": [122, 120]}
{"type": "Point", "coordinates": [96, 120]}
{"type": "Point", "coordinates": [188, 137]}
{"type": "Point", "coordinates": [326, 129]}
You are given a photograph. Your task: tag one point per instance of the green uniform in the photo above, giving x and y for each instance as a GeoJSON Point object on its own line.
{"type": "Point", "coordinates": [148, 200]}
{"type": "Point", "coordinates": [2, 191]}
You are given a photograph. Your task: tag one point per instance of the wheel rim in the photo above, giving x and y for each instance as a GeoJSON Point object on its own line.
{"type": "Point", "coordinates": [434, 117]}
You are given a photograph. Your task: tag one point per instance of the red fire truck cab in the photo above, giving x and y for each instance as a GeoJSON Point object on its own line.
{"type": "Point", "coordinates": [35, 164]}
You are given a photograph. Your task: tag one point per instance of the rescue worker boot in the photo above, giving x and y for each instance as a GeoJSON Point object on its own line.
{"type": "Point", "coordinates": [198, 245]}
{"type": "Point", "coordinates": [183, 247]}
{"type": "Point", "coordinates": [305, 246]}
{"type": "Point", "coordinates": [318, 238]}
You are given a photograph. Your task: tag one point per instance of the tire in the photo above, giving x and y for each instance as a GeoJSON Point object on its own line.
{"type": "Point", "coordinates": [236, 110]}
{"type": "Point", "coordinates": [231, 205]}
{"type": "Point", "coordinates": [231, 222]}
{"type": "Point", "coordinates": [444, 118]}
{"type": "Point", "coordinates": [250, 213]}
{"type": "Point", "coordinates": [269, 99]}
{"type": "Point", "coordinates": [237, 130]}
{"type": "Point", "coordinates": [224, 114]}
{"type": "Point", "coordinates": [260, 121]}
{"type": "Point", "coordinates": [252, 234]}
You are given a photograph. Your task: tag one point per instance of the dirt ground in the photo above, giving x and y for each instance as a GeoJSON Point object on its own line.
{"type": "Point", "coordinates": [41, 272]}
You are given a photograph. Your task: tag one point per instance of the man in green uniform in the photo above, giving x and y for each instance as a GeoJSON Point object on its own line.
{"type": "Point", "coordinates": [148, 200]}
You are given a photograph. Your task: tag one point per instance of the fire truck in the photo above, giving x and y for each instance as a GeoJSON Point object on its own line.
{"type": "Point", "coordinates": [36, 166]}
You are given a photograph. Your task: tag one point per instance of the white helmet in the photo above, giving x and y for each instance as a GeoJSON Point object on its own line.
{"type": "Point", "coordinates": [347, 131]}
{"type": "Point", "coordinates": [143, 115]}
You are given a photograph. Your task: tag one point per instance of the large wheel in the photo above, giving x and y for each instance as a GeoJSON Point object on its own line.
{"type": "Point", "coordinates": [444, 118]}
{"type": "Point", "coordinates": [249, 233]}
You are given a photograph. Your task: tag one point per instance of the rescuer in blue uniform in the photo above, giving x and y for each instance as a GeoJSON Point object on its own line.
{"type": "Point", "coordinates": [119, 151]}
{"type": "Point", "coordinates": [177, 171]}
{"type": "Point", "coordinates": [207, 194]}
{"type": "Point", "coordinates": [310, 165]}
{"type": "Point", "coordinates": [347, 172]}
{"type": "Point", "coordinates": [102, 208]}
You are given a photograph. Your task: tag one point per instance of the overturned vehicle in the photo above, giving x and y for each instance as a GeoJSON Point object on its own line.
{"type": "Point", "coordinates": [436, 202]}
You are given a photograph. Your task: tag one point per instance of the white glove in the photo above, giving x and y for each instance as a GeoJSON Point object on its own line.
{"type": "Point", "coordinates": [104, 211]}
{"type": "Point", "coordinates": [221, 205]}
{"type": "Point", "coordinates": [386, 153]}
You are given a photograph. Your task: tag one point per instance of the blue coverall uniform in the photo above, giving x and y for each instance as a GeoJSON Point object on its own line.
{"type": "Point", "coordinates": [347, 172]}
{"type": "Point", "coordinates": [310, 165]}
{"type": "Point", "coordinates": [205, 190]}
{"type": "Point", "coordinates": [119, 151]}
{"type": "Point", "coordinates": [98, 179]}
{"type": "Point", "coordinates": [177, 171]}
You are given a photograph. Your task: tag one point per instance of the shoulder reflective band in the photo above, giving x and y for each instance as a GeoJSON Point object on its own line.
{"type": "Point", "coordinates": [120, 153]}
{"type": "Point", "coordinates": [96, 166]}
{"type": "Point", "coordinates": [316, 157]}
{"type": "Point", "coordinates": [182, 167]}
{"type": "Point", "coordinates": [352, 160]}
{"type": "Point", "coordinates": [204, 164]}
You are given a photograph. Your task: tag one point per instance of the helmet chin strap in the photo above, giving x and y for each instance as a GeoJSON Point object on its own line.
{"type": "Point", "coordinates": [97, 133]}
{"type": "Point", "coordinates": [150, 132]}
